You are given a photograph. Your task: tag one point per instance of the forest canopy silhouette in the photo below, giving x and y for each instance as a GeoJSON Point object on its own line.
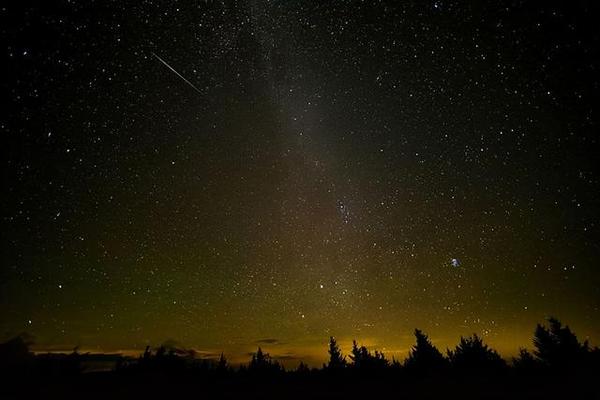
{"type": "Point", "coordinates": [557, 354]}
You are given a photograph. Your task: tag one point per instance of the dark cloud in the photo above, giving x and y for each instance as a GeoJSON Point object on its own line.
{"type": "Point", "coordinates": [268, 341]}
{"type": "Point", "coordinates": [207, 355]}
{"type": "Point", "coordinates": [287, 357]}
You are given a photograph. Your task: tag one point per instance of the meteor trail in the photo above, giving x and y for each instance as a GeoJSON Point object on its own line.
{"type": "Point", "coordinates": [178, 74]}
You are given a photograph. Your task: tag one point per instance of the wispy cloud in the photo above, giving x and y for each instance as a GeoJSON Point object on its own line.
{"type": "Point", "coordinates": [287, 357]}
{"type": "Point", "coordinates": [268, 341]}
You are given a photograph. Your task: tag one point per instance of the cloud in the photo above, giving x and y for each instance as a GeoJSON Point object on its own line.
{"type": "Point", "coordinates": [207, 354]}
{"type": "Point", "coordinates": [268, 341]}
{"type": "Point", "coordinates": [287, 357]}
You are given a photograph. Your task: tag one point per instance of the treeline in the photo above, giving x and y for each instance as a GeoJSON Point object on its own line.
{"type": "Point", "coordinates": [555, 348]}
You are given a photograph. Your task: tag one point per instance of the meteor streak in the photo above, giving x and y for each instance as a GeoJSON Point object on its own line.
{"type": "Point", "coordinates": [177, 73]}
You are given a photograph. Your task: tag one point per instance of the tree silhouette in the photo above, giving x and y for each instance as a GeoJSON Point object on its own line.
{"type": "Point", "coordinates": [336, 360]}
{"type": "Point", "coordinates": [364, 360]}
{"type": "Point", "coordinates": [262, 363]}
{"type": "Point", "coordinates": [161, 352]}
{"type": "Point", "coordinates": [593, 359]}
{"type": "Point", "coordinates": [424, 356]}
{"type": "Point", "coordinates": [222, 365]}
{"type": "Point", "coordinates": [557, 346]}
{"type": "Point", "coordinates": [15, 355]}
{"type": "Point", "coordinates": [472, 353]}
{"type": "Point", "coordinates": [147, 354]}
{"type": "Point", "coordinates": [259, 359]}
{"type": "Point", "coordinates": [395, 364]}
{"type": "Point", "coordinates": [16, 348]}
{"type": "Point", "coordinates": [525, 360]}
{"type": "Point", "coordinates": [302, 369]}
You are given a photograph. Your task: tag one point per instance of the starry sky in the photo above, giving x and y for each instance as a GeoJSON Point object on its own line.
{"type": "Point", "coordinates": [235, 174]}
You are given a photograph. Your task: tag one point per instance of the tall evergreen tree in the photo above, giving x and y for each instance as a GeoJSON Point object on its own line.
{"type": "Point", "coordinates": [262, 362]}
{"type": "Point", "coordinates": [472, 353]}
{"type": "Point", "coordinates": [222, 364]}
{"type": "Point", "coordinates": [557, 346]}
{"type": "Point", "coordinates": [525, 360]}
{"type": "Point", "coordinates": [336, 359]}
{"type": "Point", "coordinates": [363, 359]}
{"type": "Point", "coordinates": [424, 356]}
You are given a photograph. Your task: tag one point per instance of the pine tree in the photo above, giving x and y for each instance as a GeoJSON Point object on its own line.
{"type": "Point", "coordinates": [424, 356]}
{"type": "Point", "coordinates": [557, 346]}
{"type": "Point", "coordinates": [336, 359]}
{"type": "Point", "coordinates": [262, 362]}
{"type": "Point", "coordinates": [222, 363]}
{"type": "Point", "coordinates": [472, 353]}
{"type": "Point", "coordinates": [525, 360]}
{"type": "Point", "coordinates": [363, 359]}
{"type": "Point", "coordinates": [302, 369]}
{"type": "Point", "coordinates": [259, 360]}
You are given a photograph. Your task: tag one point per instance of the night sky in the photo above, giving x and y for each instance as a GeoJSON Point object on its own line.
{"type": "Point", "coordinates": [228, 175]}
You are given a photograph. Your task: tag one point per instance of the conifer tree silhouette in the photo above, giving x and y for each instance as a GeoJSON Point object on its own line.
{"type": "Point", "coordinates": [471, 353]}
{"type": "Point", "coordinates": [302, 369]}
{"type": "Point", "coordinates": [363, 359]}
{"type": "Point", "coordinates": [424, 356]}
{"type": "Point", "coordinates": [557, 346]}
{"type": "Point", "coordinates": [222, 365]}
{"type": "Point", "coordinates": [336, 360]}
{"type": "Point", "coordinates": [261, 362]}
{"type": "Point", "coordinates": [147, 354]}
{"type": "Point", "coordinates": [525, 360]}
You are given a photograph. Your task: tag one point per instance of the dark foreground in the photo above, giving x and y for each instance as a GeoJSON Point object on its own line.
{"type": "Point", "coordinates": [560, 367]}
{"type": "Point", "coordinates": [113, 385]}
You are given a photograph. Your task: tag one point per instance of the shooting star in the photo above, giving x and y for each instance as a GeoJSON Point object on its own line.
{"type": "Point", "coordinates": [177, 73]}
